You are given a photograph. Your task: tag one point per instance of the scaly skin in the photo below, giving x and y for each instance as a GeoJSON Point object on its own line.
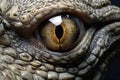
{"type": "Point", "coordinates": [24, 58]}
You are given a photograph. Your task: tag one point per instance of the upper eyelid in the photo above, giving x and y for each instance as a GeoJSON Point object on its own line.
{"type": "Point", "coordinates": [33, 26]}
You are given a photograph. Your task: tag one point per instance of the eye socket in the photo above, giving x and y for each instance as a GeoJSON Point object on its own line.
{"type": "Point", "coordinates": [61, 33]}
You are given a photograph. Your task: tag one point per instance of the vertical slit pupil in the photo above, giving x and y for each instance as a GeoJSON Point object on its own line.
{"type": "Point", "coordinates": [59, 31]}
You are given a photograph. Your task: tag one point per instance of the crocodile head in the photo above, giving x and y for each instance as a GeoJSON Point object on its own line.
{"type": "Point", "coordinates": [57, 39]}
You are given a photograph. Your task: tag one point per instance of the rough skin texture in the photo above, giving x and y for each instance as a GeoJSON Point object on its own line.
{"type": "Point", "coordinates": [24, 58]}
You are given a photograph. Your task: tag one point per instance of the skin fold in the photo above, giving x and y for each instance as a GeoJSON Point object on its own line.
{"type": "Point", "coordinates": [25, 55]}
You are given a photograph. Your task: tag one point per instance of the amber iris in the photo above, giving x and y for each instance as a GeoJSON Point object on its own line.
{"type": "Point", "coordinates": [60, 33]}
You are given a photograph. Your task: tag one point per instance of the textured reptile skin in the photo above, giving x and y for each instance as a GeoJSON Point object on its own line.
{"type": "Point", "coordinates": [22, 57]}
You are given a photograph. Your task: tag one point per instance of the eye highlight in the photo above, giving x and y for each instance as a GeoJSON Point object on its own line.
{"type": "Point", "coordinates": [61, 33]}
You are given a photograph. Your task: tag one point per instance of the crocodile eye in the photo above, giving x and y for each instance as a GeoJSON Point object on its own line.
{"type": "Point", "coordinates": [61, 33]}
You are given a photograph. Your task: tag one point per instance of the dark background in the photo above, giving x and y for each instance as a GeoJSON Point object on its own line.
{"type": "Point", "coordinates": [115, 2]}
{"type": "Point", "coordinates": [114, 71]}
